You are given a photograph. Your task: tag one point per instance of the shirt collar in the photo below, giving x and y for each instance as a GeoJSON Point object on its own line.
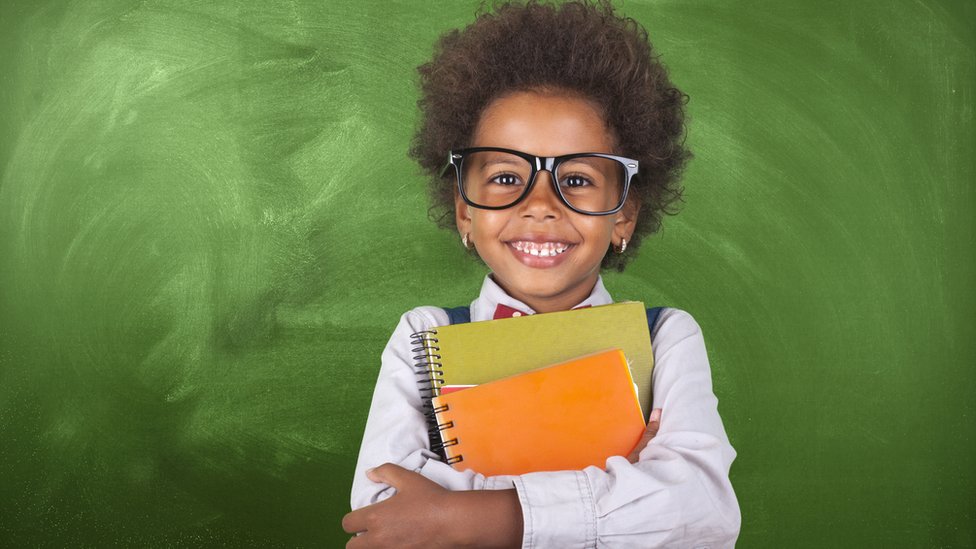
{"type": "Point", "coordinates": [492, 295]}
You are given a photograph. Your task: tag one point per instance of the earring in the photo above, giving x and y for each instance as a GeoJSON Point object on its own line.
{"type": "Point", "coordinates": [623, 246]}
{"type": "Point", "coordinates": [464, 241]}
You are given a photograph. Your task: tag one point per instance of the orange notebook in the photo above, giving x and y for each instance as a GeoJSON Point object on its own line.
{"type": "Point", "coordinates": [562, 417]}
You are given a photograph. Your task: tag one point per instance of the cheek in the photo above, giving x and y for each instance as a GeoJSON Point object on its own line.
{"type": "Point", "coordinates": [486, 223]}
{"type": "Point", "coordinates": [599, 229]}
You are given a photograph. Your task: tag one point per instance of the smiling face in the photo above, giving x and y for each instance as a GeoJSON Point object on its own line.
{"type": "Point", "coordinates": [541, 252]}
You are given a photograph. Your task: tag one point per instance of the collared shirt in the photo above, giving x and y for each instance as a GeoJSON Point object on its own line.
{"type": "Point", "coordinates": [677, 495]}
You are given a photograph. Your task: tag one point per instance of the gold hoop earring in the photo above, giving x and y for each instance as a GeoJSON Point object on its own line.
{"type": "Point", "coordinates": [623, 246]}
{"type": "Point", "coordinates": [465, 242]}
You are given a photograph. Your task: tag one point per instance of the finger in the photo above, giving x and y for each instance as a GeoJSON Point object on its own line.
{"type": "Point", "coordinates": [357, 542]}
{"type": "Point", "coordinates": [354, 522]}
{"type": "Point", "coordinates": [655, 416]}
{"type": "Point", "coordinates": [392, 474]}
{"type": "Point", "coordinates": [653, 425]}
{"type": "Point", "coordinates": [634, 454]}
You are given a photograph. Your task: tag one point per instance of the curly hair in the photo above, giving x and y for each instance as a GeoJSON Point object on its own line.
{"type": "Point", "coordinates": [577, 48]}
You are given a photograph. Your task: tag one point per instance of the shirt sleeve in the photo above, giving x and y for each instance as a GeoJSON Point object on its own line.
{"type": "Point", "coordinates": [677, 495]}
{"type": "Point", "coordinates": [396, 429]}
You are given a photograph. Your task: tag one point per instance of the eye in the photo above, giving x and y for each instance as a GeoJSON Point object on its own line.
{"type": "Point", "coordinates": [575, 181]}
{"type": "Point", "coordinates": [506, 179]}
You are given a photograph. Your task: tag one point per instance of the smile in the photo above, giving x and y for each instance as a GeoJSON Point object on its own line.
{"type": "Point", "coordinates": [540, 249]}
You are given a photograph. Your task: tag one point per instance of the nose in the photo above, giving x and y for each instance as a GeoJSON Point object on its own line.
{"type": "Point", "coordinates": [542, 201]}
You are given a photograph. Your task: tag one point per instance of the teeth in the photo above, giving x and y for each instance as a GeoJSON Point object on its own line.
{"type": "Point", "coordinates": [544, 249]}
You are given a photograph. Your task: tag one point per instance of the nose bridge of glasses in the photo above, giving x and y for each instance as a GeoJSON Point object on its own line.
{"type": "Point", "coordinates": [547, 165]}
{"type": "Point", "coordinates": [550, 196]}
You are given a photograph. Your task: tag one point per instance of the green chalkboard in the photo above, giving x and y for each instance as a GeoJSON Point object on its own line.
{"type": "Point", "coordinates": [209, 227]}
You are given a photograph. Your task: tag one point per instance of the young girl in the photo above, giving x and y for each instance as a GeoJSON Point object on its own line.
{"type": "Point", "coordinates": [535, 120]}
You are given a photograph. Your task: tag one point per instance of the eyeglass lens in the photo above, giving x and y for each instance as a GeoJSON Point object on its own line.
{"type": "Point", "coordinates": [499, 179]}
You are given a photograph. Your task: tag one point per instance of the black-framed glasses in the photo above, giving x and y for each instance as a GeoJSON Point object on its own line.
{"type": "Point", "coordinates": [493, 178]}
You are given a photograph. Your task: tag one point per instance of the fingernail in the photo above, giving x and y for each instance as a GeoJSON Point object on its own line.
{"type": "Point", "coordinates": [655, 415]}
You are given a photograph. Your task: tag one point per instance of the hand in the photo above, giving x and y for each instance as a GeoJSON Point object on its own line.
{"type": "Point", "coordinates": [410, 518]}
{"type": "Point", "coordinates": [653, 424]}
{"type": "Point", "coordinates": [423, 514]}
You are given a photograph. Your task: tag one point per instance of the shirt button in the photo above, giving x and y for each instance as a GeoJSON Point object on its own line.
{"type": "Point", "coordinates": [516, 314]}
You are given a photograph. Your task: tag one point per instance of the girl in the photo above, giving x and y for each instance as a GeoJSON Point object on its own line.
{"type": "Point", "coordinates": [534, 119]}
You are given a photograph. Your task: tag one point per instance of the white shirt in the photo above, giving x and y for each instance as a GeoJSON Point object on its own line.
{"type": "Point", "coordinates": [677, 495]}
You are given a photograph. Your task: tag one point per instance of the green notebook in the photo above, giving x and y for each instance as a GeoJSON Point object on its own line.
{"type": "Point", "coordinates": [479, 352]}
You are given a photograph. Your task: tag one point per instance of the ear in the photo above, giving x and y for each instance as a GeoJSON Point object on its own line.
{"type": "Point", "coordinates": [462, 214]}
{"type": "Point", "coordinates": [625, 221]}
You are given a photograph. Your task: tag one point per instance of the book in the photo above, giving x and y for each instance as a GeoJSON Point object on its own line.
{"type": "Point", "coordinates": [477, 352]}
{"type": "Point", "coordinates": [562, 417]}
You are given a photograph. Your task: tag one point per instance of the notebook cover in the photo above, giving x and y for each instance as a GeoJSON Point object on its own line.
{"type": "Point", "coordinates": [562, 417]}
{"type": "Point", "coordinates": [478, 352]}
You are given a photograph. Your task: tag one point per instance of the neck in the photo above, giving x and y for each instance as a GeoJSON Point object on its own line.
{"type": "Point", "coordinates": [563, 301]}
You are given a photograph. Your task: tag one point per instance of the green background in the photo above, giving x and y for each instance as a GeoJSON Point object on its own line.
{"type": "Point", "coordinates": [209, 228]}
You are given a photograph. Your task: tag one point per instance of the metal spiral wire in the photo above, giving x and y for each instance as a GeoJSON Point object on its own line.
{"type": "Point", "coordinates": [430, 374]}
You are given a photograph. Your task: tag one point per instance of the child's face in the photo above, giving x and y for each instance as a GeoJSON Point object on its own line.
{"type": "Point", "coordinates": [544, 125]}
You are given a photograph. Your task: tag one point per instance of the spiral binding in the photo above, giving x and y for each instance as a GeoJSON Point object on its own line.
{"type": "Point", "coordinates": [428, 368]}
{"type": "Point", "coordinates": [442, 444]}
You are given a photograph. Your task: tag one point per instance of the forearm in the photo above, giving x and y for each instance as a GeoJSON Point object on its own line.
{"type": "Point", "coordinates": [424, 514]}
{"type": "Point", "coordinates": [486, 518]}
{"type": "Point", "coordinates": [669, 499]}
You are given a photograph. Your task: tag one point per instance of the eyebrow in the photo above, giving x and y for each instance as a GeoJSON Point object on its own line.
{"type": "Point", "coordinates": [588, 160]}
{"type": "Point", "coordinates": [586, 163]}
{"type": "Point", "coordinates": [493, 161]}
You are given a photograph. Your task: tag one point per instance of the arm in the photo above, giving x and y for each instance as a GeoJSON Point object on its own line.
{"type": "Point", "coordinates": [396, 430]}
{"type": "Point", "coordinates": [677, 495]}
{"type": "Point", "coordinates": [433, 504]}
{"type": "Point", "coordinates": [424, 514]}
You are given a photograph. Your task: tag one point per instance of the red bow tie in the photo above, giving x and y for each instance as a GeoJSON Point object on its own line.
{"type": "Point", "coordinates": [504, 311]}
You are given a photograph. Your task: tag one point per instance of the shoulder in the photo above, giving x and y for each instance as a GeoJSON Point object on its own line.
{"type": "Point", "coordinates": [675, 320]}
{"type": "Point", "coordinates": [400, 351]}
{"type": "Point", "coordinates": [680, 358]}
{"type": "Point", "coordinates": [674, 326]}
{"type": "Point", "coordinates": [423, 318]}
